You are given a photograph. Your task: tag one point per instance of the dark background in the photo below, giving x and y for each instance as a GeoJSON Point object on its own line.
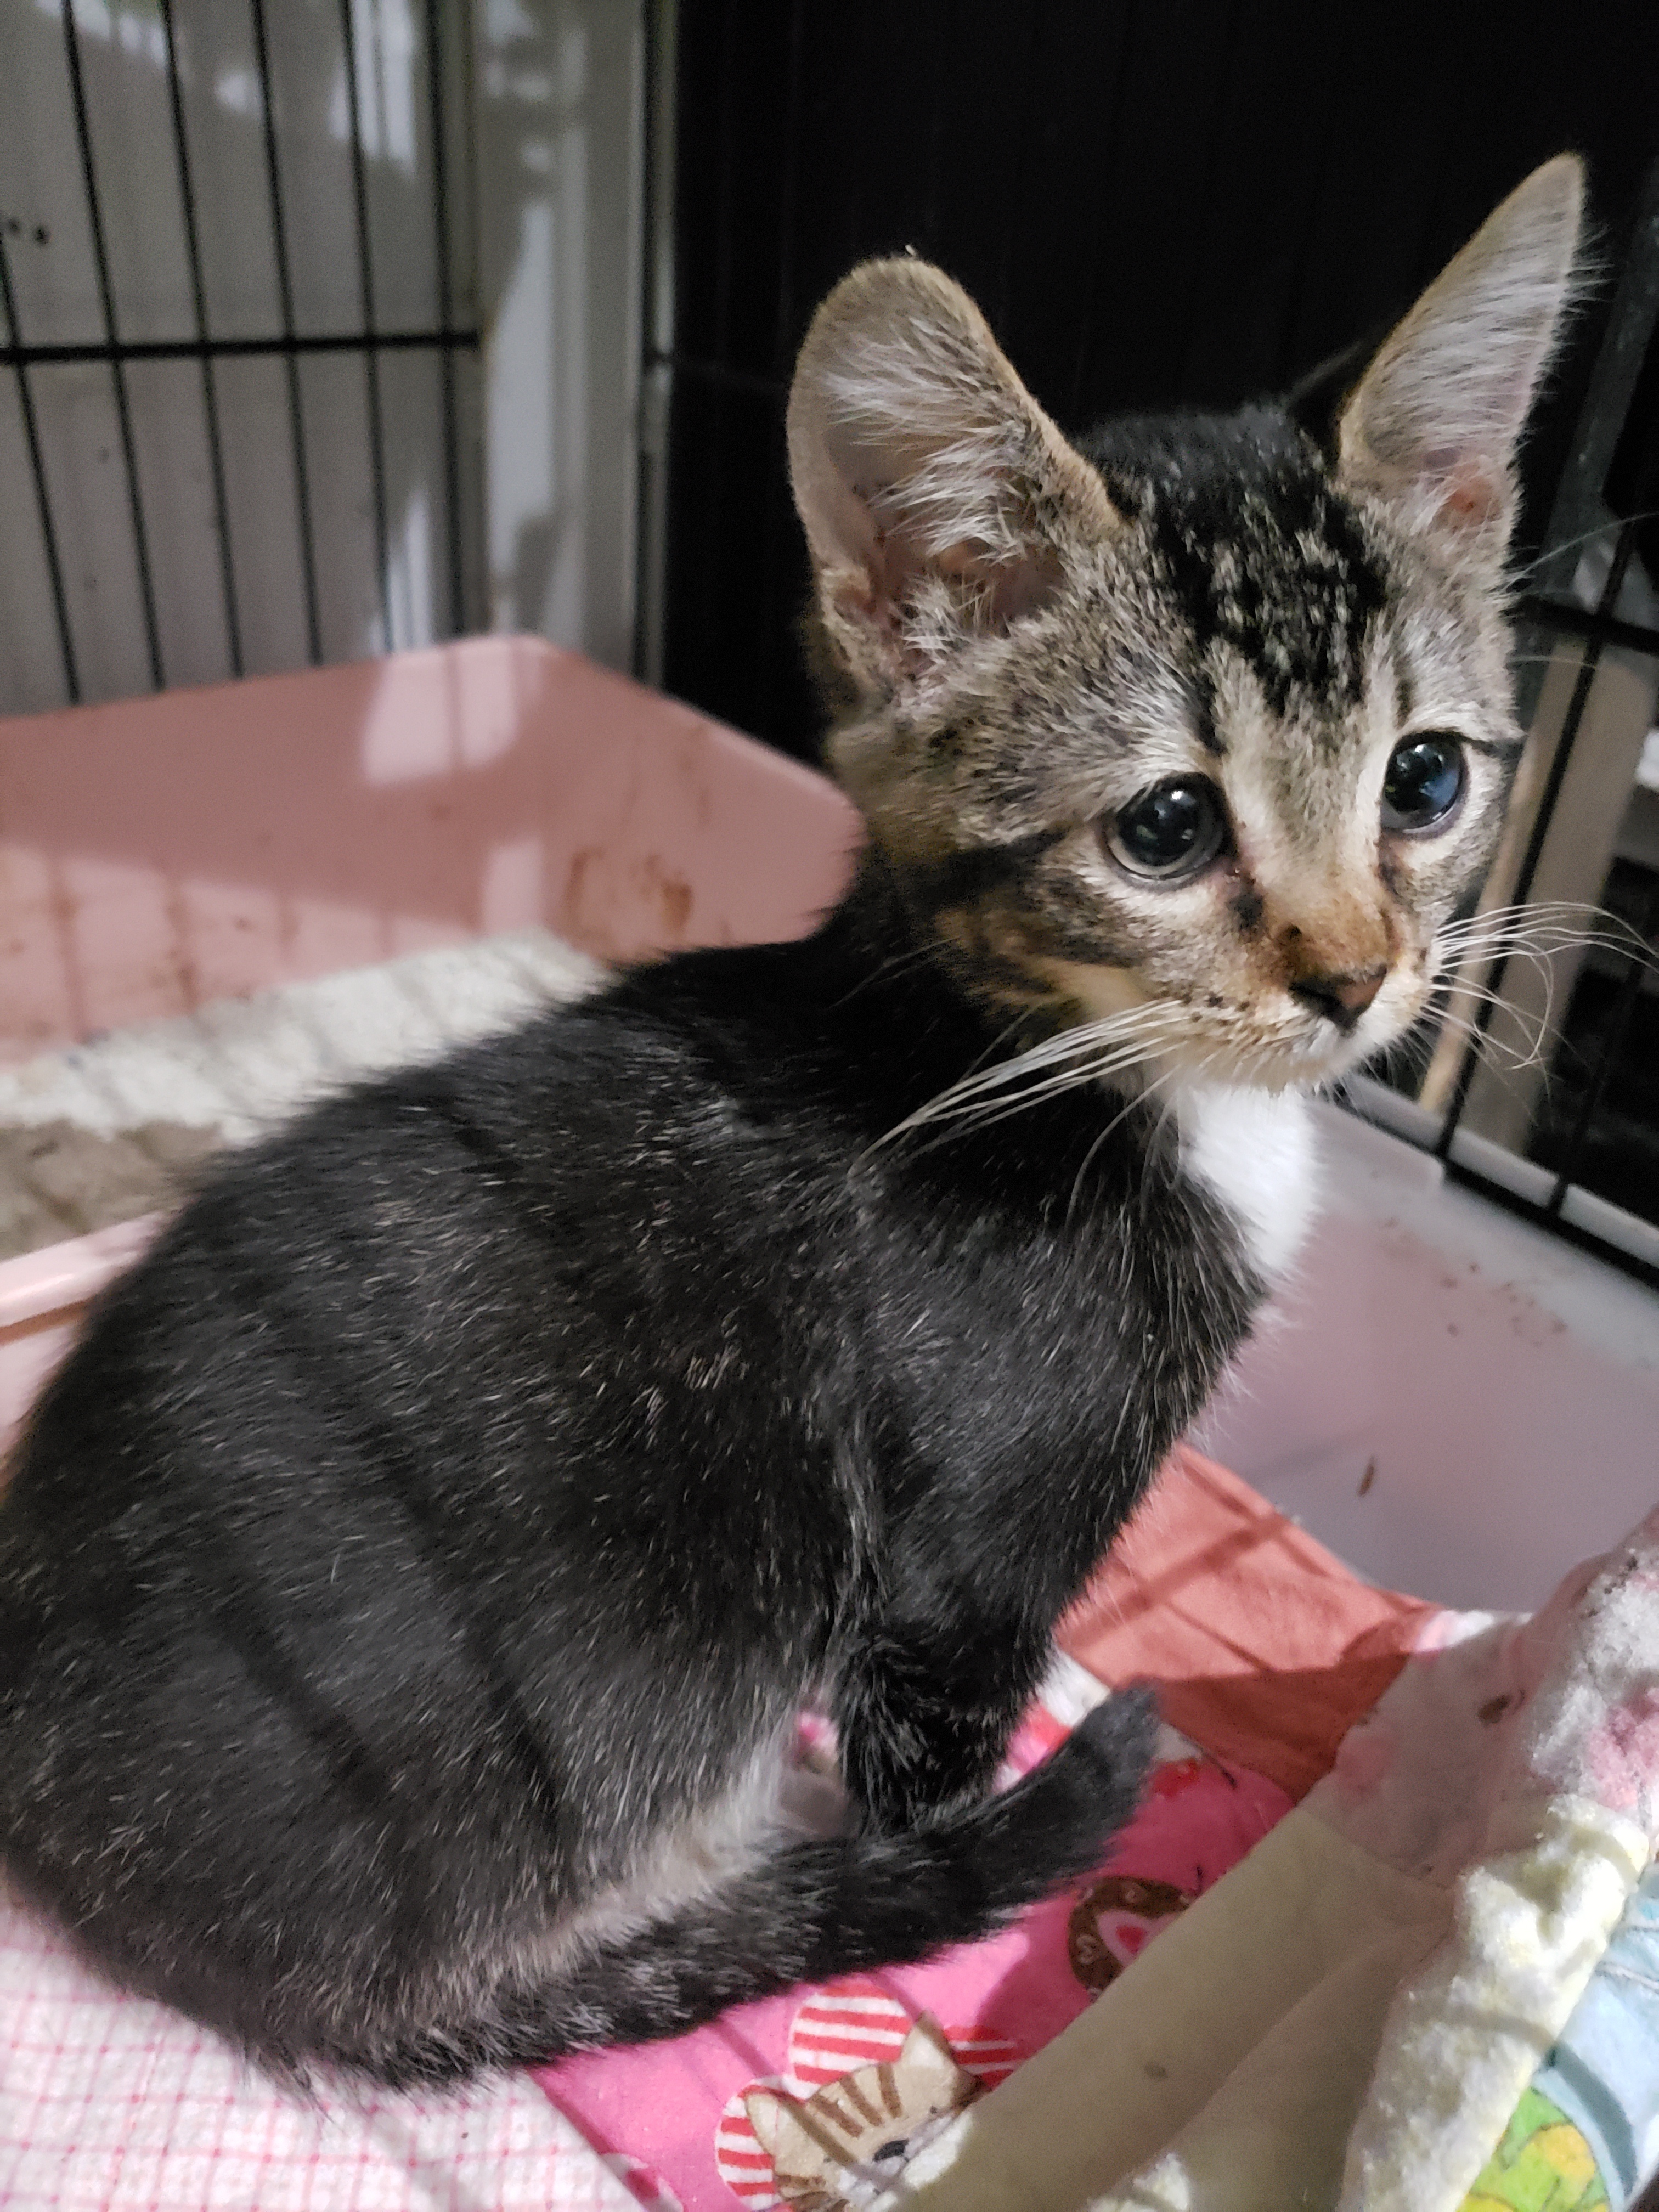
{"type": "Point", "coordinates": [1155, 202]}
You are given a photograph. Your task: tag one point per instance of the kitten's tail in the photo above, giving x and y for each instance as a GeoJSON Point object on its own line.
{"type": "Point", "coordinates": [816, 1911]}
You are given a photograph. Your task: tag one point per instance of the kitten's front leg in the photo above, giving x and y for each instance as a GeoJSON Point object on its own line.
{"type": "Point", "coordinates": [924, 1714]}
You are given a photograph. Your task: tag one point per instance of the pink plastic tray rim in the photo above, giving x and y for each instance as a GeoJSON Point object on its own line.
{"type": "Point", "coordinates": [162, 852]}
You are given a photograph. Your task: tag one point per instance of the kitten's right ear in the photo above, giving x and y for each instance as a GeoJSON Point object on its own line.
{"type": "Point", "coordinates": [1432, 425]}
{"type": "Point", "coordinates": [940, 501]}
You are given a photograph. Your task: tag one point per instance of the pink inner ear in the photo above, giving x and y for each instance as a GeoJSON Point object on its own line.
{"type": "Point", "coordinates": [1473, 495]}
{"type": "Point", "coordinates": [994, 593]}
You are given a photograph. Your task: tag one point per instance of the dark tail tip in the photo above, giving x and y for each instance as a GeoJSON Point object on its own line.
{"type": "Point", "coordinates": [1117, 1742]}
{"type": "Point", "coordinates": [1058, 1822]}
{"type": "Point", "coordinates": [1099, 1773]}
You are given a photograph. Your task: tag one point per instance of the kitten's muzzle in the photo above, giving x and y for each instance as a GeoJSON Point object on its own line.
{"type": "Point", "coordinates": [1341, 999]}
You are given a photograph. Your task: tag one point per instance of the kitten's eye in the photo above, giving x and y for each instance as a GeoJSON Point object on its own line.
{"type": "Point", "coordinates": [1173, 831]}
{"type": "Point", "coordinates": [1424, 780]}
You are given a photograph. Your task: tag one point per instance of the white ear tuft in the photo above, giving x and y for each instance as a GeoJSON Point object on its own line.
{"type": "Point", "coordinates": [1433, 423]}
{"type": "Point", "coordinates": [937, 495]}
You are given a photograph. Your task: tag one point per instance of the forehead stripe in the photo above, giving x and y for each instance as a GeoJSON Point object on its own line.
{"type": "Point", "coordinates": [1203, 725]}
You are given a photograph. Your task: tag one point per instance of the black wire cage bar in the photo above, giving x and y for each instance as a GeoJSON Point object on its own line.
{"type": "Point", "coordinates": [1548, 1187]}
{"type": "Point", "coordinates": [368, 340]}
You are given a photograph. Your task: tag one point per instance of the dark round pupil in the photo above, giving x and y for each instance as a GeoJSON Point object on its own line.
{"type": "Point", "coordinates": [1424, 778]}
{"type": "Point", "coordinates": [1165, 825]}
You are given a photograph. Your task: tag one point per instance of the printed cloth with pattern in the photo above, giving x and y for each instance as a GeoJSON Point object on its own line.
{"type": "Point", "coordinates": [1222, 1915]}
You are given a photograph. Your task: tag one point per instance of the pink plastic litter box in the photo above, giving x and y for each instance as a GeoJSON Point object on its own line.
{"type": "Point", "coordinates": [161, 854]}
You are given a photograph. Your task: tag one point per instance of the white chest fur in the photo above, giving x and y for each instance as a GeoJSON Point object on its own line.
{"type": "Point", "coordinates": [1254, 1150]}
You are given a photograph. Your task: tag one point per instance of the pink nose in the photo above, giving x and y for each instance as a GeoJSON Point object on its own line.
{"type": "Point", "coordinates": [1341, 999]}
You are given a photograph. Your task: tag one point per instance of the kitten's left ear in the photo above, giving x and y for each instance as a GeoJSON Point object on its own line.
{"type": "Point", "coordinates": [940, 501]}
{"type": "Point", "coordinates": [1433, 423]}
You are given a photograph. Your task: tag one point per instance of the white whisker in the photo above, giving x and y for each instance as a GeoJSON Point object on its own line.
{"type": "Point", "coordinates": [1093, 1052]}
{"type": "Point", "coordinates": [1142, 1098]}
{"type": "Point", "coordinates": [976, 1113]}
{"type": "Point", "coordinates": [1080, 1053]}
{"type": "Point", "coordinates": [1486, 1045]}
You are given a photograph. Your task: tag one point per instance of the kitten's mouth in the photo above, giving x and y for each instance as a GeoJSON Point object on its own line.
{"type": "Point", "coordinates": [1141, 1046]}
{"type": "Point", "coordinates": [1308, 1048]}
{"type": "Point", "coordinates": [1294, 1058]}
{"type": "Point", "coordinates": [1138, 1041]}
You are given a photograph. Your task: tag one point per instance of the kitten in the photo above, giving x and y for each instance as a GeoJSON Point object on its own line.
{"type": "Point", "coordinates": [408, 1585]}
{"type": "Point", "coordinates": [843, 2148]}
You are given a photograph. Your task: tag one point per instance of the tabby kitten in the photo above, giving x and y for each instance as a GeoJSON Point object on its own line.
{"type": "Point", "coordinates": [408, 1585]}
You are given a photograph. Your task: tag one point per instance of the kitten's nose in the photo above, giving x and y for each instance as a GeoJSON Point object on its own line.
{"type": "Point", "coordinates": [1341, 999]}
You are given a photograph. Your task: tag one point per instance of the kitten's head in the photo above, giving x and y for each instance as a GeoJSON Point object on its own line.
{"type": "Point", "coordinates": [1204, 727]}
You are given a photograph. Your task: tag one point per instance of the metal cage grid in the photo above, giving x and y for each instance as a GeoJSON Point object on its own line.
{"type": "Point", "coordinates": [1624, 1242]}
{"type": "Point", "coordinates": [369, 341]}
